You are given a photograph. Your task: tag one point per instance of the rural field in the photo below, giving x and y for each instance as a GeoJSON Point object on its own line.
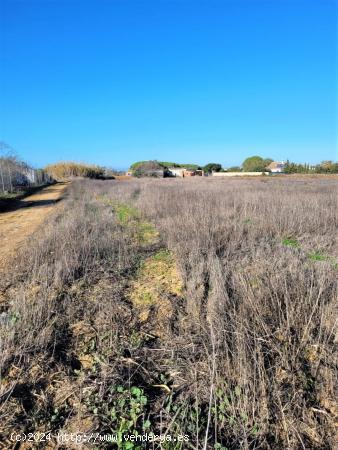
{"type": "Point", "coordinates": [203, 311]}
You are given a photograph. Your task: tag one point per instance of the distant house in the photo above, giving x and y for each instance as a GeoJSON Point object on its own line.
{"type": "Point", "coordinates": [189, 173]}
{"type": "Point", "coordinates": [184, 172]}
{"type": "Point", "coordinates": [176, 171]}
{"type": "Point", "coordinates": [129, 173]}
{"type": "Point", "coordinates": [199, 173]}
{"type": "Point", "coordinates": [276, 167]}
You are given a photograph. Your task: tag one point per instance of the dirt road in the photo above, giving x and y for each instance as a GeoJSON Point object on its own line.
{"type": "Point", "coordinates": [25, 217]}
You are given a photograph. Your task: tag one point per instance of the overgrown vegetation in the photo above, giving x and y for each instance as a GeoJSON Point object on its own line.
{"type": "Point", "coordinates": [148, 169]}
{"type": "Point", "coordinates": [255, 164]}
{"type": "Point", "coordinates": [68, 169]}
{"type": "Point", "coordinates": [219, 324]}
{"type": "Point", "coordinates": [164, 164]}
{"type": "Point", "coordinates": [157, 169]}
{"type": "Point", "coordinates": [212, 167]}
{"type": "Point", "coordinates": [324, 167]}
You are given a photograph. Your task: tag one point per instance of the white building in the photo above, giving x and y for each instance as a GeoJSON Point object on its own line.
{"type": "Point", "coordinates": [276, 166]}
{"type": "Point", "coordinates": [177, 171]}
{"type": "Point", "coordinates": [238, 174]}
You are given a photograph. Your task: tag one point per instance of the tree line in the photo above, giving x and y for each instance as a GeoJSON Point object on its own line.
{"type": "Point", "coordinates": [323, 167]}
{"type": "Point", "coordinates": [251, 164]}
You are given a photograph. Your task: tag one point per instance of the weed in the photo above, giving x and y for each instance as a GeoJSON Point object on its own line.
{"type": "Point", "coordinates": [289, 242]}
{"type": "Point", "coordinates": [317, 256]}
{"type": "Point", "coordinates": [125, 213]}
{"type": "Point", "coordinates": [221, 335]}
{"type": "Point", "coordinates": [125, 412]}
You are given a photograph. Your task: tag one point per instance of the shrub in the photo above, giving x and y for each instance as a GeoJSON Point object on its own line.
{"type": "Point", "coordinates": [255, 164]}
{"type": "Point", "coordinates": [212, 167]}
{"type": "Point", "coordinates": [148, 169]}
{"type": "Point", "coordinates": [65, 170]}
{"type": "Point", "coordinates": [247, 357]}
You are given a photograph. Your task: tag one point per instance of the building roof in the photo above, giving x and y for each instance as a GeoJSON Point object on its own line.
{"type": "Point", "coordinates": [276, 165]}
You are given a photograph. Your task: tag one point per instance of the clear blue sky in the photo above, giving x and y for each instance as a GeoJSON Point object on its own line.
{"type": "Point", "coordinates": [117, 81]}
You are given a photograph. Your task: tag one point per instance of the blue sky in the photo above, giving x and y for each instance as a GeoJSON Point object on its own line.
{"type": "Point", "coordinates": [112, 82]}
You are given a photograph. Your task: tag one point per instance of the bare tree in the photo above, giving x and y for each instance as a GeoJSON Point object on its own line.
{"type": "Point", "coordinates": [14, 172]}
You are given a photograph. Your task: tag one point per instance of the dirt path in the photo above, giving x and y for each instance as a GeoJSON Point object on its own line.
{"type": "Point", "coordinates": [24, 218]}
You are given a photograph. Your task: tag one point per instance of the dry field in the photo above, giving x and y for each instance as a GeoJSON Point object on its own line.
{"type": "Point", "coordinates": [197, 308]}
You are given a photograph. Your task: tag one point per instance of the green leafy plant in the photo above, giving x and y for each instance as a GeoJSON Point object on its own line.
{"type": "Point", "coordinates": [128, 413]}
{"type": "Point", "coordinates": [289, 242]}
{"type": "Point", "coordinates": [124, 412]}
{"type": "Point", "coordinates": [317, 256]}
{"type": "Point", "coordinates": [219, 446]}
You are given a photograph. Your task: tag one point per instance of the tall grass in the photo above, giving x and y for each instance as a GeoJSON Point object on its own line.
{"type": "Point", "coordinates": [260, 314]}
{"type": "Point", "coordinates": [68, 169]}
{"type": "Point", "coordinates": [249, 358]}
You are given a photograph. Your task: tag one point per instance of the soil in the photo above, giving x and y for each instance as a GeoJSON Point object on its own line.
{"type": "Point", "coordinates": [24, 217]}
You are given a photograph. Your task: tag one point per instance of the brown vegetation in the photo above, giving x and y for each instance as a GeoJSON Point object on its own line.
{"type": "Point", "coordinates": [247, 359]}
{"type": "Point", "coordinates": [68, 169]}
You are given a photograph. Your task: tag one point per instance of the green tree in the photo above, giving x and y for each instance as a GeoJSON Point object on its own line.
{"type": "Point", "coordinates": [327, 167]}
{"type": "Point", "coordinates": [255, 164]}
{"type": "Point", "coordinates": [234, 169]}
{"type": "Point", "coordinates": [212, 167]}
{"type": "Point", "coordinates": [290, 167]}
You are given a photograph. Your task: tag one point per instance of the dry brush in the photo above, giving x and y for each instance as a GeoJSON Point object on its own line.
{"type": "Point", "coordinates": [248, 357]}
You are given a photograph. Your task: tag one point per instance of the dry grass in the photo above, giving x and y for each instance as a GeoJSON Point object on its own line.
{"type": "Point", "coordinates": [68, 169]}
{"type": "Point", "coordinates": [156, 287]}
{"type": "Point", "coordinates": [248, 357]}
